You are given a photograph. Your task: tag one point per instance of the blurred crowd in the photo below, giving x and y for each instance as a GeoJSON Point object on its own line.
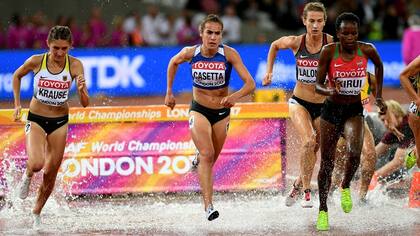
{"type": "Point", "coordinates": [247, 21]}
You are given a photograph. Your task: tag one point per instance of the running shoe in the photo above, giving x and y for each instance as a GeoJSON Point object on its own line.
{"type": "Point", "coordinates": [410, 160]}
{"type": "Point", "coordinates": [374, 181]}
{"type": "Point", "coordinates": [307, 199]}
{"type": "Point", "coordinates": [293, 195]}
{"type": "Point", "coordinates": [322, 223]}
{"type": "Point", "coordinates": [23, 189]}
{"type": "Point", "coordinates": [37, 222]}
{"type": "Point", "coordinates": [211, 213]}
{"type": "Point", "coordinates": [195, 162]}
{"type": "Point", "coordinates": [346, 202]}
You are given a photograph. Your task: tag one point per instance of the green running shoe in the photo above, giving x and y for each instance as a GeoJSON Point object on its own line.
{"type": "Point", "coordinates": [322, 223]}
{"type": "Point", "coordinates": [346, 202]}
{"type": "Point", "coordinates": [410, 160]}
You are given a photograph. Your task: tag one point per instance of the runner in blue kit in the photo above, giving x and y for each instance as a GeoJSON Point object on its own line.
{"type": "Point", "coordinates": [211, 66]}
{"type": "Point", "coordinates": [47, 121]}
{"type": "Point", "coordinates": [305, 105]}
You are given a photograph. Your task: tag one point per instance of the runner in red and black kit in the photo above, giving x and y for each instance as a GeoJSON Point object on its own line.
{"type": "Point", "coordinates": [305, 104]}
{"type": "Point", "coordinates": [342, 114]}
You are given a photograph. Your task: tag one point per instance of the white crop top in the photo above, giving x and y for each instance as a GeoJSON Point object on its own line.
{"type": "Point", "coordinates": [52, 89]}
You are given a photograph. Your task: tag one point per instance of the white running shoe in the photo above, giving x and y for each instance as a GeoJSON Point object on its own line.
{"type": "Point", "coordinates": [194, 163]}
{"type": "Point", "coordinates": [23, 189]}
{"type": "Point", "coordinates": [37, 222]}
{"type": "Point", "coordinates": [293, 196]}
{"type": "Point", "coordinates": [211, 213]}
{"type": "Point", "coordinates": [307, 199]}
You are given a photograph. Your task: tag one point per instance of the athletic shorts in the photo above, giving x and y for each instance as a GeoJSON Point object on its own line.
{"type": "Point", "coordinates": [338, 113]}
{"type": "Point", "coordinates": [48, 124]}
{"type": "Point", "coordinates": [212, 115]}
{"type": "Point", "coordinates": [314, 109]}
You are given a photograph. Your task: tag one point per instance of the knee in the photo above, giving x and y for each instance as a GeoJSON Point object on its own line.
{"type": "Point", "coordinates": [207, 156]}
{"type": "Point", "coordinates": [36, 166]}
{"type": "Point", "coordinates": [309, 144]}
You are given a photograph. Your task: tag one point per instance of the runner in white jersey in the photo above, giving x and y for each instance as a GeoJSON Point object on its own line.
{"type": "Point", "coordinates": [305, 105]}
{"type": "Point", "coordinates": [47, 121]}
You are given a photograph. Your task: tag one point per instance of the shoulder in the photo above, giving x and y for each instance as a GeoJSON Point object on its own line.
{"type": "Point", "coordinates": [188, 52]}
{"type": "Point", "coordinates": [329, 47]}
{"type": "Point", "coordinates": [330, 38]}
{"type": "Point", "coordinates": [231, 54]}
{"type": "Point", "coordinates": [229, 49]}
{"type": "Point", "coordinates": [33, 62]}
{"type": "Point", "coordinates": [289, 41]}
{"type": "Point", "coordinates": [366, 47]}
{"type": "Point", "coordinates": [35, 59]}
{"type": "Point", "coordinates": [75, 62]}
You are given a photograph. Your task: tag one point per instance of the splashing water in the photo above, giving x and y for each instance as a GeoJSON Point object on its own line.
{"type": "Point", "coordinates": [183, 214]}
{"type": "Point", "coordinates": [253, 212]}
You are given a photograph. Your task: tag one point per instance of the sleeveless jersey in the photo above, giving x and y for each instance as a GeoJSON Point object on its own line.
{"type": "Point", "coordinates": [307, 63]}
{"type": "Point", "coordinates": [351, 75]}
{"type": "Point", "coordinates": [52, 89]}
{"type": "Point", "coordinates": [210, 73]}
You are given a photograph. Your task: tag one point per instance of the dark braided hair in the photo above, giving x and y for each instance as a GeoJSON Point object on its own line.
{"type": "Point", "coordinates": [346, 16]}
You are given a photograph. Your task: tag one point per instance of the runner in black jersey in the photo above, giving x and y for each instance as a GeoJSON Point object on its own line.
{"type": "Point", "coordinates": [305, 104]}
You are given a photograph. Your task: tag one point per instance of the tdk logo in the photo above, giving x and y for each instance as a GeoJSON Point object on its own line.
{"type": "Point", "coordinates": [114, 72]}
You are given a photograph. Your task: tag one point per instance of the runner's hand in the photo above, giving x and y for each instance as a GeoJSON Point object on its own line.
{"type": "Point", "coordinates": [81, 83]}
{"type": "Point", "coordinates": [228, 101]}
{"type": "Point", "coordinates": [397, 133]}
{"type": "Point", "coordinates": [170, 101]}
{"type": "Point", "coordinates": [17, 113]}
{"type": "Point", "coordinates": [381, 105]}
{"type": "Point", "coordinates": [267, 79]}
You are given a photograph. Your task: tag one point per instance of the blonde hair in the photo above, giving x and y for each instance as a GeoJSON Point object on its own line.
{"type": "Point", "coordinates": [395, 107]}
{"type": "Point", "coordinates": [314, 6]}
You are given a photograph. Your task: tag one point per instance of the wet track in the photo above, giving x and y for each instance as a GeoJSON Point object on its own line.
{"type": "Point", "coordinates": [251, 213]}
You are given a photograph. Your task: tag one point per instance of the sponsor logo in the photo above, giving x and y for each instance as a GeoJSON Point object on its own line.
{"type": "Point", "coordinates": [307, 63]}
{"type": "Point", "coordinates": [350, 74]}
{"type": "Point", "coordinates": [209, 65]}
{"type": "Point", "coordinates": [303, 56]}
{"type": "Point", "coordinates": [45, 83]}
{"type": "Point", "coordinates": [221, 113]}
{"type": "Point", "coordinates": [337, 65]}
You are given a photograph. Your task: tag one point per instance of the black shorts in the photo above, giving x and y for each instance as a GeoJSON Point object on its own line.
{"type": "Point", "coordinates": [314, 109]}
{"type": "Point", "coordinates": [48, 124]}
{"type": "Point", "coordinates": [212, 115]}
{"type": "Point", "coordinates": [338, 113]}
